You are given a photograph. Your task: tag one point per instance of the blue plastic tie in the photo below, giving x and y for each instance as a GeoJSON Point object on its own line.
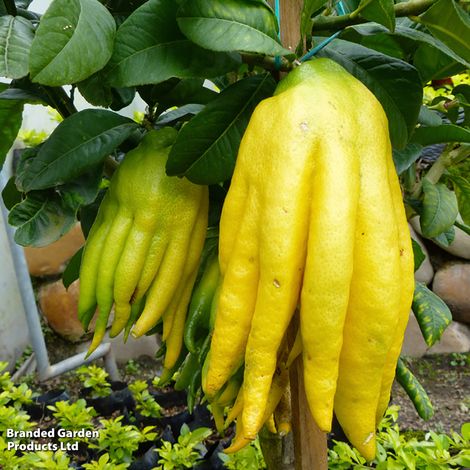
{"type": "Point", "coordinates": [277, 12]}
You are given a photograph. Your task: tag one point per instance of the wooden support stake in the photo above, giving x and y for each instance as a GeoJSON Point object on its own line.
{"type": "Point", "coordinates": [309, 442]}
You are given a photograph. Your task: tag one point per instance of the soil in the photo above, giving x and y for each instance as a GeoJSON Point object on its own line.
{"type": "Point", "coordinates": [445, 377]}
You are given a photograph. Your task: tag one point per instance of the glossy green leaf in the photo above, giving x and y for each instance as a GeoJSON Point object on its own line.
{"type": "Point", "coordinates": [308, 9]}
{"type": "Point", "coordinates": [10, 194]}
{"type": "Point", "coordinates": [74, 40]}
{"type": "Point", "coordinates": [41, 219]}
{"type": "Point", "coordinates": [439, 210]}
{"type": "Point", "coordinates": [395, 83]}
{"type": "Point", "coordinates": [176, 92]}
{"type": "Point", "coordinates": [98, 92]}
{"type": "Point", "coordinates": [462, 191]}
{"type": "Point", "coordinates": [432, 314]}
{"type": "Point", "coordinates": [428, 117]}
{"type": "Point", "coordinates": [11, 116]}
{"type": "Point", "coordinates": [401, 30]}
{"type": "Point", "coordinates": [380, 11]}
{"type": "Point", "coordinates": [231, 25]}
{"type": "Point", "coordinates": [77, 145]}
{"type": "Point", "coordinates": [418, 254]}
{"type": "Point", "coordinates": [151, 36]}
{"type": "Point", "coordinates": [72, 270]}
{"type": "Point", "coordinates": [414, 390]}
{"type": "Point", "coordinates": [183, 113]}
{"type": "Point", "coordinates": [448, 22]}
{"type": "Point", "coordinates": [16, 36]}
{"type": "Point", "coordinates": [445, 238]}
{"type": "Point", "coordinates": [83, 190]}
{"type": "Point", "coordinates": [385, 43]}
{"type": "Point", "coordinates": [462, 94]}
{"type": "Point", "coordinates": [433, 64]}
{"type": "Point", "coordinates": [403, 159]}
{"type": "Point", "coordinates": [206, 148]}
{"type": "Point", "coordinates": [440, 134]}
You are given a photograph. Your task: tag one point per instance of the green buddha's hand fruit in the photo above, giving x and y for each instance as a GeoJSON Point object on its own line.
{"type": "Point", "coordinates": [146, 242]}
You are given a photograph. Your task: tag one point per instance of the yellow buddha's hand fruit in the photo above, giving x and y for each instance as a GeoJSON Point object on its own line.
{"type": "Point", "coordinates": [146, 241]}
{"type": "Point", "coordinates": [313, 219]}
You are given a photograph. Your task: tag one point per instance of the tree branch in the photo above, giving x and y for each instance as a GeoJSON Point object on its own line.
{"type": "Point", "coordinates": [267, 63]}
{"type": "Point", "coordinates": [334, 23]}
{"type": "Point", "coordinates": [10, 7]}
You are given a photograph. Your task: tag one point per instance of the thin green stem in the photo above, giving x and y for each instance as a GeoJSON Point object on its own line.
{"type": "Point", "coordinates": [334, 23]}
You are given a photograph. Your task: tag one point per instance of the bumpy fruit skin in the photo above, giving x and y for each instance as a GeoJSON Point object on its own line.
{"type": "Point", "coordinates": [146, 242]}
{"type": "Point", "coordinates": [313, 215]}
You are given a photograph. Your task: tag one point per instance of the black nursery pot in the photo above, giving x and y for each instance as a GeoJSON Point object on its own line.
{"type": "Point", "coordinates": [148, 461]}
{"type": "Point", "coordinates": [170, 398]}
{"type": "Point", "coordinates": [119, 399]}
{"type": "Point", "coordinates": [38, 408]}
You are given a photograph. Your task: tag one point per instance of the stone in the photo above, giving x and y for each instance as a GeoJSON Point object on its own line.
{"type": "Point", "coordinates": [460, 247]}
{"type": "Point", "coordinates": [59, 306]}
{"type": "Point", "coordinates": [425, 272]}
{"type": "Point", "coordinates": [51, 260]}
{"type": "Point", "coordinates": [455, 339]}
{"type": "Point", "coordinates": [452, 284]}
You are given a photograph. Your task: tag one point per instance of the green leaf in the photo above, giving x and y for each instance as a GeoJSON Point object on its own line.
{"type": "Point", "coordinates": [183, 113]}
{"type": "Point", "coordinates": [380, 11]}
{"type": "Point", "coordinates": [446, 238]}
{"type": "Point", "coordinates": [72, 271]}
{"type": "Point", "coordinates": [151, 36]}
{"type": "Point", "coordinates": [41, 218]}
{"type": "Point", "coordinates": [439, 210]}
{"type": "Point", "coordinates": [418, 254]}
{"type": "Point", "coordinates": [176, 92]}
{"type": "Point", "coordinates": [308, 9]}
{"type": "Point", "coordinates": [10, 194]}
{"type": "Point", "coordinates": [74, 40]}
{"type": "Point", "coordinates": [440, 134]}
{"type": "Point", "coordinates": [403, 159]}
{"type": "Point", "coordinates": [231, 25]}
{"type": "Point", "coordinates": [11, 116]}
{"type": "Point", "coordinates": [98, 92]}
{"type": "Point", "coordinates": [432, 314]}
{"type": "Point", "coordinates": [395, 83]}
{"type": "Point", "coordinates": [462, 94]}
{"type": "Point", "coordinates": [462, 191]}
{"type": "Point", "coordinates": [414, 390]}
{"type": "Point", "coordinates": [83, 190]}
{"type": "Point", "coordinates": [16, 36]}
{"type": "Point", "coordinates": [433, 64]}
{"type": "Point", "coordinates": [206, 148]}
{"type": "Point", "coordinates": [414, 35]}
{"type": "Point", "coordinates": [77, 145]}
{"type": "Point", "coordinates": [428, 117]}
{"type": "Point", "coordinates": [448, 22]}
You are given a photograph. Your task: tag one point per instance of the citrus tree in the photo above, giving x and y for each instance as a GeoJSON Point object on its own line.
{"type": "Point", "coordinates": [202, 67]}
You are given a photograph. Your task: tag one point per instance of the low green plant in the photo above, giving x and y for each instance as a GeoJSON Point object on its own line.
{"type": "Point", "coordinates": [17, 396]}
{"type": "Point", "coordinates": [5, 378]}
{"type": "Point", "coordinates": [104, 463]}
{"type": "Point", "coordinates": [397, 452]}
{"type": "Point", "coordinates": [132, 367]}
{"type": "Point", "coordinates": [248, 458]}
{"type": "Point", "coordinates": [459, 359]}
{"type": "Point", "coordinates": [73, 416]}
{"type": "Point", "coordinates": [145, 404]}
{"type": "Point", "coordinates": [186, 452]}
{"type": "Point", "coordinates": [12, 418]}
{"type": "Point", "coordinates": [50, 460]}
{"type": "Point", "coordinates": [95, 378]}
{"type": "Point", "coordinates": [8, 457]}
{"type": "Point", "coordinates": [121, 441]}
